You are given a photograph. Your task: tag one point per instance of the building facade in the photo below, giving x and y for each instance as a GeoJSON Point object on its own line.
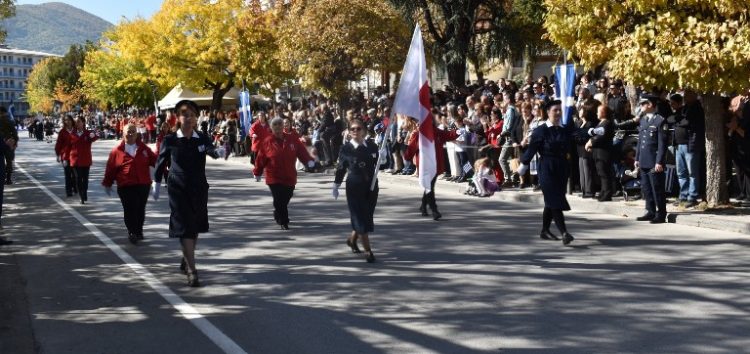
{"type": "Point", "coordinates": [15, 67]}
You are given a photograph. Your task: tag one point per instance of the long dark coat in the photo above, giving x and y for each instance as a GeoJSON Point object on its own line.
{"type": "Point", "coordinates": [552, 143]}
{"type": "Point", "coordinates": [359, 167]}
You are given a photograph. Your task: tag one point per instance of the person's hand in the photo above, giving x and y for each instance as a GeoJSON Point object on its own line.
{"type": "Point", "coordinates": [65, 163]}
{"type": "Point", "coordinates": [155, 188]}
{"type": "Point", "coordinates": [515, 145]}
{"type": "Point", "coordinates": [221, 152]}
{"type": "Point", "coordinates": [335, 191]}
{"type": "Point", "coordinates": [589, 146]}
{"type": "Point", "coordinates": [636, 165]}
{"type": "Point", "coordinates": [311, 164]}
{"type": "Point", "coordinates": [522, 169]}
{"type": "Point", "coordinates": [58, 158]}
{"type": "Point", "coordinates": [257, 178]}
{"type": "Point", "coordinates": [108, 190]}
{"type": "Point", "coordinates": [658, 168]}
{"type": "Point", "coordinates": [92, 135]}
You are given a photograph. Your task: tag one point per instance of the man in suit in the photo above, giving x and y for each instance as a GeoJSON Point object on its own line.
{"type": "Point", "coordinates": [650, 157]}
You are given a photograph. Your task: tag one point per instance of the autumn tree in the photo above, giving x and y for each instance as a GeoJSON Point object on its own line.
{"type": "Point", "coordinates": [113, 80]}
{"type": "Point", "coordinates": [7, 10]}
{"type": "Point", "coordinates": [40, 88]}
{"type": "Point", "coordinates": [702, 45]}
{"type": "Point", "coordinates": [330, 43]}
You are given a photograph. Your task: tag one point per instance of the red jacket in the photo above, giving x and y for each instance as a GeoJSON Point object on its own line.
{"type": "Point", "coordinates": [62, 146]}
{"type": "Point", "coordinates": [493, 134]}
{"type": "Point", "coordinates": [259, 132]}
{"type": "Point", "coordinates": [128, 170]}
{"type": "Point", "coordinates": [80, 148]}
{"type": "Point", "coordinates": [441, 136]}
{"type": "Point", "coordinates": [278, 157]}
{"type": "Point", "coordinates": [150, 122]}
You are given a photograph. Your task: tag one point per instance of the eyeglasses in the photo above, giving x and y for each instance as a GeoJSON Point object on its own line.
{"type": "Point", "coordinates": [355, 129]}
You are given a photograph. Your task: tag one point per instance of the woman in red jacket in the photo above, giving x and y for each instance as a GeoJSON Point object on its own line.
{"type": "Point", "coordinates": [412, 150]}
{"type": "Point", "coordinates": [259, 130]}
{"type": "Point", "coordinates": [129, 164]}
{"type": "Point", "coordinates": [62, 150]}
{"type": "Point", "coordinates": [80, 156]}
{"type": "Point", "coordinates": [277, 155]}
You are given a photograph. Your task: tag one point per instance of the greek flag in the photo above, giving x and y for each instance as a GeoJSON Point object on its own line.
{"type": "Point", "coordinates": [565, 84]}
{"type": "Point", "coordinates": [11, 112]}
{"type": "Point", "coordinates": [246, 115]}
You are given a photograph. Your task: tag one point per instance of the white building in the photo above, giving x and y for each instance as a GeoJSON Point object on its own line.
{"type": "Point", "coordinates": [15, 67]}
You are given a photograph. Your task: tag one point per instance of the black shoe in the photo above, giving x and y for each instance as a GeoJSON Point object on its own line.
{"type": "Point", "coordinates": [647, 217]}
{"type": "Point", "coordinates": [285, 226]}
{"type": "Point", "coordinates": [567, 238]}
{"type": "Point", "coordinates": [436, 215]}
{"type": "Point", "coordinates": [423, 211]}
{"type": "Point", "coordinates": [83, 202]}
{"type": "Point", "coordinates": [133, 238]}
{"type": "Point", "coordinates": [353, 246]}
{"type": "Point", "coordinates": [193, 281]}
{"type": "Point", "coordinates": [8, 182]}
{"type": "Point", "coordinates": [139, 236]}
{"type": "Point", "coordinates": [369, 257]}
{"type": "Point", "coordinates": [183, 266]}
{"type": "Point", "coordinates": [657, 221]}
{"type": "Point", "coordinates": [605, 199]}
{"type": "Point", "coordinates": [547, 235]}
{"type": "Point", "coordinates": [4, 241]}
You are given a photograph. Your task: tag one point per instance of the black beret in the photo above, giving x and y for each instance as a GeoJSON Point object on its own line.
{"type": "Point", "coordinates": [190, 104]}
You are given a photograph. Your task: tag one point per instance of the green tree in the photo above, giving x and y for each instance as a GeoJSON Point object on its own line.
{"type": "Point", "coordinates": [330, 43]}
{"type": "Point", "coordinates": [702, 45]}
{"type": "Point", "coordinates": [7, 10]}
{"type": "Point", "coordinates": [40, 88]}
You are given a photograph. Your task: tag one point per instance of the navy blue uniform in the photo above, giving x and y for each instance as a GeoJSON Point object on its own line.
{"type": "Point", "coordinates": [186, 184]}
{"type": "Point", "coordinates": [552, 144]}
{"type": "Point", "coordinates": [359, 164]}
{"type": "Point", "coordinates": [652, 150]}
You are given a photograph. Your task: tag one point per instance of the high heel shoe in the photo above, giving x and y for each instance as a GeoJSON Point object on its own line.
{"type": "Point", "coordinates": [192, 279]}
{"type": "Point", "coordinates": [567, 238]}
{"type": "Point", "coordinates": [183, 266]}
{"type": "Point", "coordinates": [423, 210]}
{"type": "Point", "coordinates": [369, 257]}
{"type": "Point", "coordinates": [353, 246]}
{"type": "Point", "coordinates": [547, 235]}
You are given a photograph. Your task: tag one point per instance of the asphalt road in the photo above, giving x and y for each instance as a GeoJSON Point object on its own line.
{"type": "Point", "coordinates": [478, 281]}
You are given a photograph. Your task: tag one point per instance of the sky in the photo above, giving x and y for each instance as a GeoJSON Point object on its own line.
{"type": "Point", "coordinates": [110, 10]}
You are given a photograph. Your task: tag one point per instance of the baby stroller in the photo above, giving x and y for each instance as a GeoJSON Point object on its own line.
{"type": "Point", "coordinates": [630, 182]}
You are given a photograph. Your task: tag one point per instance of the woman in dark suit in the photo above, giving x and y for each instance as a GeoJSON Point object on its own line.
{"type": "Point", "coordinates": [185, 152]}
{"type": "Point", "coordinates": [551, 141]}
{"type": "Point", "coordinates": [358, 160]}
{"type": "Point", "coordinates": [601, 146]}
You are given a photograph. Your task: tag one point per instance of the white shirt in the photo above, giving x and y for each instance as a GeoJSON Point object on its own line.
{"type": "Point", "coordinates": [180, 134]}
{"type": "Point", "coordinates": [548, 122]}
{"type": "Point", "coordinates": [131, 149]}
{"type": "Point", "coordinates": [354, 143]}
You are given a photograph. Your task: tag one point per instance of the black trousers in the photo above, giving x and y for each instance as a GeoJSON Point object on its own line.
{"type": "Point", "coordinates": [70, 180]}
{"type": "Point", "coordinates": [134, 199]}
{"type": "Point", "coordinates": [587, 173]}
{"type": "Point", "coordinates": [82, 181]}
{"type": "Point", "coordinates": [652, 187]}
{"type": "Point", "coordinates": [281, 196]}
{"type": "Point", "coordinates": [8, 169]}
{"type": "Point", "coordinates": [428, 199]}
{"type": "Point", "coordinates": [606, 177]}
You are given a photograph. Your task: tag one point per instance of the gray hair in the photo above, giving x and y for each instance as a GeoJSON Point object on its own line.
{"type": "Point", "coordinates": [277, 120]}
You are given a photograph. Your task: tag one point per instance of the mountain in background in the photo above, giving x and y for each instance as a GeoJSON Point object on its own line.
{"type": "Point", "coordinates": [52, 27]}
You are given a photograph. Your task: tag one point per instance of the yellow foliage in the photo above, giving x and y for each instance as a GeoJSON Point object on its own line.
{"type": "Point", "coordinates": [703, 44]}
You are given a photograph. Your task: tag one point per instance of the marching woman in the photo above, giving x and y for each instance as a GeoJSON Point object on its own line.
{"type": "Point", "coordinates": [80, 156]}
{"type": "Point", "coordinates": [357, 160]}
{"type": "Point", "coordinates": [185, 152]}
{"type": "Point", "coordinates": [441, 137]}
{"type": "Point", "coordinates": [551, 141]}
{"type": "Point", "coordinates": [62, 149]}
{"type": "Point", "coordinates": [277, 157]}
{"type": "Point", "coordinates": [129, 165]}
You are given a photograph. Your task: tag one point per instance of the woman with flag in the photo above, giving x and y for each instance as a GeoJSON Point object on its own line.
{"type": "Point", "coordinates": [358, 161]}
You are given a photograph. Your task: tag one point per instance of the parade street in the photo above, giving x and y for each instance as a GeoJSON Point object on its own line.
{"type": "Point", "coordinates": [480, 280]}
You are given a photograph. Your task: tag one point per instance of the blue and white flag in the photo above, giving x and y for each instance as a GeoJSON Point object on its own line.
{"type": "Point", "coordinates": [565, 84]}
{"type": "Point", "coordinates": [12, 111]}
{"type": "Point", "coordinates": [246, 115]}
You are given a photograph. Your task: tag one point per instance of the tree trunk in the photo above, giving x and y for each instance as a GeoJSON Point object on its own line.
{"type": "Point", "coordinates": [632, 94]}
{"type": "Point", "coordinates": [717, 192]}
{"type": "Point", "coordinates": [457, 72]}
{"type": "Point", "coordinates": [529, 61]}
{"type": "Point", "coordinates": [218, 95]}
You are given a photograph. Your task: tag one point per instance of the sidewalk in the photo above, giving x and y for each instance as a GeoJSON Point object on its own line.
{"type": "Point", "coordinates": [739, 222]}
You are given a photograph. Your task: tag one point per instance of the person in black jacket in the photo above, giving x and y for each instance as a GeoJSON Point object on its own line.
{"type": "Point", "coordinates": [327, 131]}
{"type": "Point", "coordinates": [358, 160]}
{"type": "Point", "coordinates": [586, 165]}
{"type": "Point", "coordinates": [185, 151]}
{"type": "Point", "coordinates": [7, 153]}
{"type": "Point", "coordinates": [601, 147]}
{"type": "Point", "coordinates": [690, 139]}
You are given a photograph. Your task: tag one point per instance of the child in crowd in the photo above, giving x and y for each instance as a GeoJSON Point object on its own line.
{"type": "Point", "coordinates": [484, 178]}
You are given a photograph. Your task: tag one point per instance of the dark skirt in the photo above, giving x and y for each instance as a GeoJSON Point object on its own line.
{"type": "Point", "coordinates": [361, 202]}
{"type": "Point", "coordinates": [188, 203]}
{"type": "Point", "coordinates": [553, 179]}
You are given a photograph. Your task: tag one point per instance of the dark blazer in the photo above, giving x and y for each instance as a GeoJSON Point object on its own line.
{"type": "Point", "coordinates": [602, 144]}
{"type": "Point", "coordinates": [652, 141]}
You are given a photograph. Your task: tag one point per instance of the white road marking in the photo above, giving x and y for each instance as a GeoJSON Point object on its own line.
{"type": "Point", "coordinates": [188, 311]}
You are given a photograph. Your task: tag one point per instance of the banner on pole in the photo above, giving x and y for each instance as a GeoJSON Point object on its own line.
{"type": "Point", "coordinates": [565, 84]}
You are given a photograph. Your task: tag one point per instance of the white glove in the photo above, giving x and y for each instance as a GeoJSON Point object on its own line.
{"type": "Point", "coordinates": [65, 163]}
{"type": "Point", "coordinates": [310, 164]}
{"type": "Point", "coordinates": [335, 191]}
{"type": "Point", "coordinates": [108, 190]}
{"type": "Point", "coordinates": [382, 158]}
{"type": "Point", "coordinates": [92, 135]}
{"type": "Point", "coordinates": [523, 169]}
{"type": "Point", "coordinates": [221, 152]}
{"type": "Point", "coordinates": [155, 188]}
{"type": "Point", "coordinates": [597, 131]}
{"type": "Point", "coordinates": [257, 178]}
